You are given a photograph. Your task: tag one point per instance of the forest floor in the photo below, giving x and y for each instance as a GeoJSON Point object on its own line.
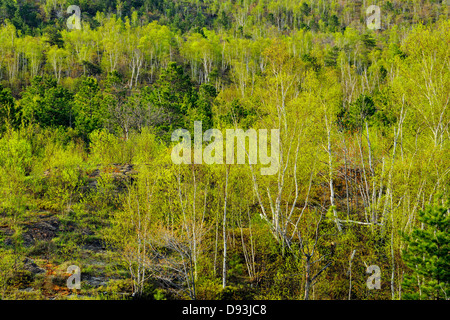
{"type": "Point", "coordinates": [51, 241]}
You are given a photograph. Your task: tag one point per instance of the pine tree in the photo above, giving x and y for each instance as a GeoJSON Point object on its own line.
{"type": "Point", "coordinates": [8, 111]}
{"type": "Point", "coordinates": [175, 95]}
{"type": "Point", "coordinates": [427, 256]}
{"type": "Point", "coordinates": [331, 57]}
{"type": "Point", "coordinates": [47, 103]}
{"type": "Point", "coordinates": [90, 112]}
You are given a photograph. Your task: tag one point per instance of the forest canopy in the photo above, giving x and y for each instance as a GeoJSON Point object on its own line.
{"type": "Point", "coordinates": [86, 176]}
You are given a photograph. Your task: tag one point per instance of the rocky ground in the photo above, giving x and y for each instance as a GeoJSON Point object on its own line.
{"type": "Point", "coordinates": [44, 233]}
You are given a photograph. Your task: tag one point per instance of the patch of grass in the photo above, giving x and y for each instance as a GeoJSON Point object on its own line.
{"type": "Point", "coordinates": [20, 279]}
{"type": "Point", "coordinates": [42, 248]}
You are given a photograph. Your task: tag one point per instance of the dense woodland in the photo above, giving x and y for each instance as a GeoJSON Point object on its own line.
{"type": "Point", "coordinates": [87, 179]}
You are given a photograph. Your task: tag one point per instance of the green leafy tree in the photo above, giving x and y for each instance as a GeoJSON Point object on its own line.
{"type": "Point", "coordinates": [119, 105]}
{"type": "Point", "coordinates": [54, 37]}
{"type": "Point", "coordinates": [427, 256]}
{"type": "Point", "coordinates": [369, 41]}
{"type": "Point", "coordinates": [331, 57]}
{"type": "Point", "coordinates": [333, 23]}
{"type": "Point", "coordinates": [239, 115]}
{"type": "Point", "coordinates": [224, 20]}
{"type": "Point", "coordinates": [357, 113]}
{"type": "Point", "coordinates": [207, 94]}
{"type": "Point", "coordinates": [174, 94]}
{"type": "Point", "coordinates": [8, 111]}
{"type": "Point", "coordinates": [90, 112]}
{"type": "Point", "coordinates": [47, 103]}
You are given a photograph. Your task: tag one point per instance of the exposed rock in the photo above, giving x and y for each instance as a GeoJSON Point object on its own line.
{"type": "Point", "coordinates": [42, 230]}
{"type": "Point", "coordinates": [96, 282]}
{"type": "Point", "coordinates": [8, 232]}
{"type": "Point", "coordinates": [31, 266]}
{"type": "Point", "coordinates": [122, 174]}
{"type": "Point", "coordinates": [95, 245]}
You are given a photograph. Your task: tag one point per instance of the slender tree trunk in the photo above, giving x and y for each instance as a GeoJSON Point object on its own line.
{"type": "Point", "coordinates": [216, 242]}
{"type": "Point", "coordinates": [346, 178]}
{"type": "Point", "coordinates": [224, 272]}
{"type": "Point", "coordinates": [330, 164]}
{"type": "Point", "coordinates": [350, 271]}
{"type": "Point", "coordinates": [308, 278]}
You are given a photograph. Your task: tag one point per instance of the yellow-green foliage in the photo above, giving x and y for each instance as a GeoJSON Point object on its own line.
{"type": "Point", "coordinates": [86, 174]}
